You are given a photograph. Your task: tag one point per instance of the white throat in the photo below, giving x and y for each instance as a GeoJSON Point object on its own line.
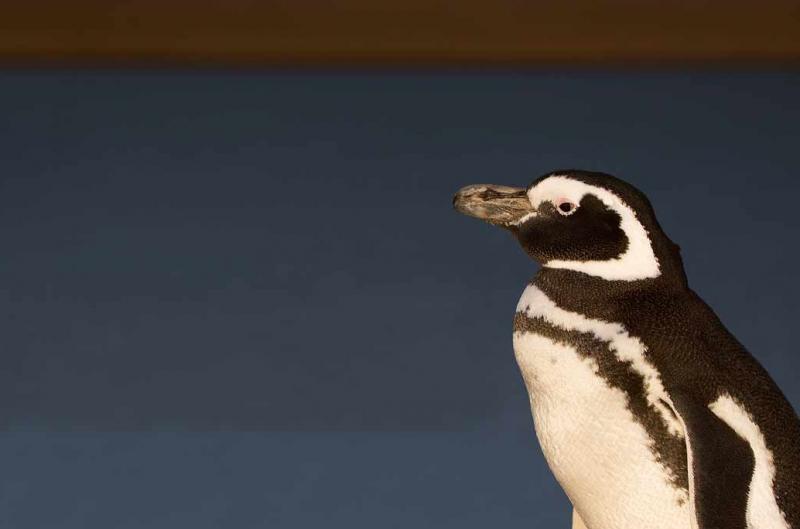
{"type": "Point", "coordinates": [637, 262]}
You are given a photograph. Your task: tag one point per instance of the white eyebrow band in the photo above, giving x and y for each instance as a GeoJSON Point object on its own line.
{"type": "Point", "coordinates": [637, 262]}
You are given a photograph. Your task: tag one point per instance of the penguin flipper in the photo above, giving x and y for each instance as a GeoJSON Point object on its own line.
{"type": "Point", "coordinates": [720, 465]}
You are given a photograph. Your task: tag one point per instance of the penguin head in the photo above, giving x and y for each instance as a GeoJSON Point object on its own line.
{"type": "Point", "coordinates": [583, 221]}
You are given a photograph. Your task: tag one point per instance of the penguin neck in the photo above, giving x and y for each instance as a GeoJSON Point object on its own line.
{"type": "Point", "coordinates": [589, 294]}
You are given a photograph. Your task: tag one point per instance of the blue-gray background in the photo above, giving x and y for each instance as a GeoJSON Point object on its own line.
{"type": "Point", "coordinates": [243, 300]}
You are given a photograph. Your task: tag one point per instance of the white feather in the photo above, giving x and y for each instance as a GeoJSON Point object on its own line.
{"type": "Point", "coordinates": [762, 508]}
{"type": "Point", "coordinates": [534, 302]}
{"type": "Point", "coordinates": [596, 449]}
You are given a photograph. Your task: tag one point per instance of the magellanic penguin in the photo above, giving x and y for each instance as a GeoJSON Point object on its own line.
{"type": "Point", "coordinates": [649, 412]}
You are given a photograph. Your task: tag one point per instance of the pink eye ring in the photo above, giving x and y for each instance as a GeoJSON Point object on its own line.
{"type": "Point", "coordinates": [565, 207]}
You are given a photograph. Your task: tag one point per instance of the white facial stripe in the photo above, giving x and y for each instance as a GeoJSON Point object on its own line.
{"type": "Point", "coordinates": [535, 303]}
{"type": "Point", "coordinates": [525, 218]}
{"type": "Point", "coordinates": [762, 509]}
{"type": "Point", "coordinates": [638, 262]}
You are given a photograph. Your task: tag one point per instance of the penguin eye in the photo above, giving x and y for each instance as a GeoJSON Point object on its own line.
{"type": "Point", "coordinates": [565, 207]}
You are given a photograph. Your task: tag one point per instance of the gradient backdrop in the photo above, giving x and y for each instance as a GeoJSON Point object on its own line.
{"type": "Point", "coordinates": [243, 300]}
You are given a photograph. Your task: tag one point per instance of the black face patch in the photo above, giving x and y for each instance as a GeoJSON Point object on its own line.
{"type": "Point", "coordinates": [668, 450]}
{"type": "Point", "coordinates": [590, 232]}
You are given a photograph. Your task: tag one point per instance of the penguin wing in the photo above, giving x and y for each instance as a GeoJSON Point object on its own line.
{"type": "Point", "coordinates": [720, 465]}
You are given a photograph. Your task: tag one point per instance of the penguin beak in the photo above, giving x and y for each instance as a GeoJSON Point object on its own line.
{"type": "Point", "coordinates": [499, 205]}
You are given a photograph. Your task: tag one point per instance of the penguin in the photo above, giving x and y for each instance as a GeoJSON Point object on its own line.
{"type": "Point", "coordinates": [649, 412]}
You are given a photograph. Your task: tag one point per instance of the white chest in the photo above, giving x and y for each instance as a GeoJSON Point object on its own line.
{"type": "Point", "coordinates": [597, 451]}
